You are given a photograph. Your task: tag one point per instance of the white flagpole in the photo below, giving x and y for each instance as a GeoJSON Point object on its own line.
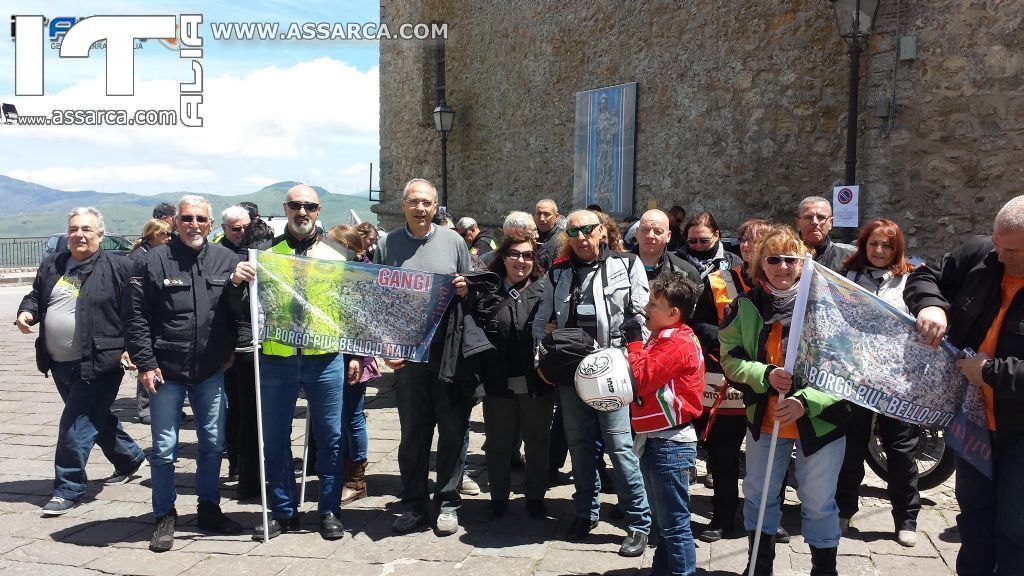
{"type": "Point", "coordinates": [254, 318]}
{"type": "Point", "coordinates": [795, 327]}
{"type": "Point", "coordinates": [305, 456]}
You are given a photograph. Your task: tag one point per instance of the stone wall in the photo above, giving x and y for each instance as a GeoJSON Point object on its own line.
{"type": "Point", "coordinates": [741, 106]}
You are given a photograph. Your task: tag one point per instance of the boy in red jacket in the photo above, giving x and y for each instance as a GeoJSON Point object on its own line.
{"type": "Point", "coordinates": [669, 374]}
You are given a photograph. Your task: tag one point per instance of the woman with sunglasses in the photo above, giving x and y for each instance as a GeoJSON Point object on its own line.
{"type": "Point", "coordinates": [880, 266]}
{"type": "Point", "coordinates": [753, 342]}
{"type": "Point", "coordinates": [516, 399]}
{"type": "Point", "coordinates": [155, 232]}
{"type": "Point", "coordinates": [724, 420]}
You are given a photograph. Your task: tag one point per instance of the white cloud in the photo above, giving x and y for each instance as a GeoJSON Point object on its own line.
{"type": "Point", "coordinates": [112, 178]}
{"type": "Point", "coordinates": [260, 181]}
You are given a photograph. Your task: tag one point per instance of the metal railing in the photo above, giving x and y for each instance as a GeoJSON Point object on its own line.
{"type": "Point", "coordinates": [25, 252]}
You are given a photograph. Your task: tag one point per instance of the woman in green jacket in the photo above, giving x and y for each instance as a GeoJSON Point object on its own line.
{"type": "Point", "coordinates": [753, 341]}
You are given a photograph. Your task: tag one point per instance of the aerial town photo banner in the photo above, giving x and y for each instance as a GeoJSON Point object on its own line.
{"type": "Point", "coordinates": [349, 307]}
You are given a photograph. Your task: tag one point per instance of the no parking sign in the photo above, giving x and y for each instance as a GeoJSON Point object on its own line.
{"type": "Point", "coordinates": [845, 210]}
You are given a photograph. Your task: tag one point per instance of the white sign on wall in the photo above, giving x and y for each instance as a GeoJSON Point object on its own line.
{"type": "Point", "coordinates": [845, 201]}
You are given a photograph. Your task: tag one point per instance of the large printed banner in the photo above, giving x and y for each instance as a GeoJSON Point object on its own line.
{"type": "Point", "coordinates": [855, 346]}
{"type": "Point", "coordinates": [349, 307]}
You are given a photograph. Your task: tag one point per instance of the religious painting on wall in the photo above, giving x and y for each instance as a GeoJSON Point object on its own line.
{"type": "Point", "coordinates": [605, 148]}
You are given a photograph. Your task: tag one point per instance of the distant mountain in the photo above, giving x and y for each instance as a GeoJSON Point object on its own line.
{"type": "Point", "coordinates": [33, 210]}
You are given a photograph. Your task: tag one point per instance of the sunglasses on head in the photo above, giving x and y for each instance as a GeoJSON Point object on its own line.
{"type": "Point", "coordinates": [776, 260]}
{"type": "Point", "coordinates": [187, 218]}
{"type": "Point", "coordinates": [527, 256]}
{"type": "Point", "coordinates": [586, 230]}
{"type": "Point", "coordinates": [309, 206]}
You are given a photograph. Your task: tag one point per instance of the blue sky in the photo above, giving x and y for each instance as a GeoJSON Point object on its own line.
{"type": "Point", "coordinates": [273, 110]}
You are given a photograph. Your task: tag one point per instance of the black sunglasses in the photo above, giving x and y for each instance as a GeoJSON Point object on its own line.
{"type": "Point", "coordinates": [187, 218]}
{"type": "Point", "coordinates": [237, 228]}
{"type": "Point", "coordinates": [586, 230]}
{"type": "Point", "coordinates": [309, 206]}
{"type": "Point", "coordinates": [776, 260]}
{"type": "Point", "coordinates": [516, 254]}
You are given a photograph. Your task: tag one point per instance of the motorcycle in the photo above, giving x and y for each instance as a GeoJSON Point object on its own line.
{"type": "Point", "coordinates": [935, 461]}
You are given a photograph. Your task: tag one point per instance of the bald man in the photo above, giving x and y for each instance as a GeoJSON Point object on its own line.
{"type": "Point", "coordinates": [322, 375]}
{"type": "Point", "coordinates": [653, 235]}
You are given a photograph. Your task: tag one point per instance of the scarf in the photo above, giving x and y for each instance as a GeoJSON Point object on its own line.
{"type": "Point", "coordinates": [704, 260]}
{"type": "Point", "coordinates": [84, 268]}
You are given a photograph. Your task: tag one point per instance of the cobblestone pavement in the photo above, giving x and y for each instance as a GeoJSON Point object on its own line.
{"type": "Point", "coordinates": [109, 532]}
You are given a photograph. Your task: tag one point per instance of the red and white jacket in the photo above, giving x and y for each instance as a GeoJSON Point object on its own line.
{"type": "Point", "coordinates": [669, 375]}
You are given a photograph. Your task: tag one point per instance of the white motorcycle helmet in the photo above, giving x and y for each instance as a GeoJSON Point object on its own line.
{"type": "Point", "coordinates": [604, 380]}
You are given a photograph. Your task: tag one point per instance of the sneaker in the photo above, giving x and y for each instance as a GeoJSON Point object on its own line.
{"type": "Point", "coordinates": [408, 522]}
{"type": "Point", "coordinates": [163, 536]}
{"type": "Point", "coordinates": [781, 536]}
{"type": "Point", "coordinates": [907, 538]}
{"type": "Point", "coordinates": [57, 506]}
{"type": "Point", "coordinates": [212, 519]}
{"type": "Point", "coordinates": [125, 477]}
{"type": "Point", "coordinates": [447, 523]}
{"type": "Point", "coordinates": [469, 487]}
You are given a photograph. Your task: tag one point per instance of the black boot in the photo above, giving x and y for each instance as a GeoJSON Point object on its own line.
{"type": "Point", "coordinates": [823, 561]}
{"type": "Point", "coordinates": [765, 554]}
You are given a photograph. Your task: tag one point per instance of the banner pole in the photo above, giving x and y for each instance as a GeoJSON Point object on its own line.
{"type": "Point", "coordinates": [305, 457]}
{"type": "Point", "coordinates": [254, 319]}
{"type": "Point", "coordinates": [795, 327]}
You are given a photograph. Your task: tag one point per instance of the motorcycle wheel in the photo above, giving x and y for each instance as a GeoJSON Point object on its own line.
{"type": "Point", "coordinates": [935, 463]}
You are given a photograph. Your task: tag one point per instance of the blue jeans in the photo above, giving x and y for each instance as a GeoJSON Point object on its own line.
{"type": "Point", "coordinates": [207, 400]}
{"type": "Point", "coordinates": [322, 377]}
{"type": "Point", "coordinates": [816, 475]}
{"type": "Point", "coordinates": [423, 403]}
{"type": "Point", "coordinates": [583, 427]}
{"type": "Point", "coordinates": [353, 422]}
{"type": "Point", "coordinates": [87, 420]}
{"type": "Point", "coordinates": [666, 466]}
{"type": "Point", "coordinates": [991, 519]}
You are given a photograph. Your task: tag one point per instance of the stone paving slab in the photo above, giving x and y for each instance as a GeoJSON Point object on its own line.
{"type": "Point", "coordinates": [108, 534]}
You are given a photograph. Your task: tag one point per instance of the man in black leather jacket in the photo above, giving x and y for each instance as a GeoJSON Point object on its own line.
{"type": "Point", "coordinates": [814, 221]}
{"type": "Point", "coordinates": [976, 299]}
{"type": "Point", "coordinates": [181, 333]}
{"type": "Point", "coordinates": [77, 301]}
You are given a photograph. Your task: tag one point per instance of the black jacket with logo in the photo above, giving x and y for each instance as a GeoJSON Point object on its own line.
{"type": "Point", "coordinates": [968, 287]}
{"type": "Point", "coordinates": [98, 313]}
{"type": "Point", "coordinates": [179, 320]}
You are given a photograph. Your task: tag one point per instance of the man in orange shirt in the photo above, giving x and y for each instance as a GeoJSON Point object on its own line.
{"type": "Point", "coordinates": [977, 301]}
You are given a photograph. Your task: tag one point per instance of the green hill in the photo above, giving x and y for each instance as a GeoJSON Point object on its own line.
{"type": "Point", "coordinates": [34, 210]}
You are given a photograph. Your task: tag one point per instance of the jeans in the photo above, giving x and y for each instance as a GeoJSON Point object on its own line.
{"type": "Point", "coordinates": [899, 439]}
{"type": "Point", "coordinates": [816, 475]}
{"type": "Point", "coordinates": [207, 400]}
{"type": "Point", "coordinates": [503, 417]}
{"type": "Point", "coordinates": [322, 378]}
{"type": "Point", "coordinates": [991, 519]}
{"type": "Point", "coordinates": [666, 467]}
{"type": "Point", "coordinates": [424, 403]}
{"type": "Point", "coordinates": [355, 441]}
{"type": "Point", "coordinates": [85, 421]}
{"type": "Point", "coordinates": [583, 426]}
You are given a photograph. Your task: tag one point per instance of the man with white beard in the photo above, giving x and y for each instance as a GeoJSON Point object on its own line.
{"type": "Point", "coordinates": [180, 333]}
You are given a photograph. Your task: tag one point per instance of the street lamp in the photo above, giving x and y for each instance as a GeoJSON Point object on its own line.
{"type": "Point", "coordinates": [853, 19]}
{"type": "Point", "coordinates": [443, 117]}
